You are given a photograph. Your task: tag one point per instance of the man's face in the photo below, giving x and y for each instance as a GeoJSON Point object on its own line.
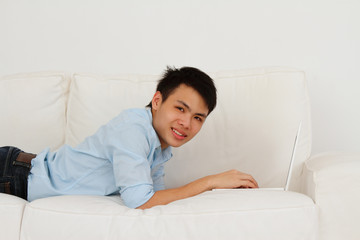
{"type": "Point", "coordinates": [178, 119]}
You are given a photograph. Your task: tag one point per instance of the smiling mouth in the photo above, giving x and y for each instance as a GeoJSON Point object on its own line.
{"type": "Point", "coordinates": [178, 134]}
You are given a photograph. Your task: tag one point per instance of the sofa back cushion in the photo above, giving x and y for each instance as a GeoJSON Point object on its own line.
{"type": "Point", "coordinates": [252, 129]}
{"type": "Point", "coordinates": [95, 99]}
{"type": "Point", "coordinates": [33, 108]}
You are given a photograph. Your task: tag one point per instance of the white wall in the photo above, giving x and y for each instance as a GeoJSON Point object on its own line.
{"type": "Point", "coordinates": [143, 36]}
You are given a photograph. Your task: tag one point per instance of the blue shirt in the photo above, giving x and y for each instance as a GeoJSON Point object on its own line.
{"type": "Point", "coordinates": [123, 156]}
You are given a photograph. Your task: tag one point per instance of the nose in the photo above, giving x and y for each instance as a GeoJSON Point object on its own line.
{"type": "Point", "coordinates": [185, 121]}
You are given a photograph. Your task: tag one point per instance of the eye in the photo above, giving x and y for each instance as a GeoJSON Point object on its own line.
{"type": "Point", "coordinates": [180, 109]}
{"type": "Point", "coordinates": [199, 119]}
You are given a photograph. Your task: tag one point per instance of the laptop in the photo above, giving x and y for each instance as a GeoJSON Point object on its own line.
{"type": "Point", "coordinates": [287, 184]}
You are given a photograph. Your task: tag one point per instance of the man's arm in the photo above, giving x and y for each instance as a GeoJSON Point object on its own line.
{"type": "Point", "coordinates": [229, 179]}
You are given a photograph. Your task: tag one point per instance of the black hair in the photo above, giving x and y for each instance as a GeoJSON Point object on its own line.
{"type": "Point", "coordinates": [191, 77]}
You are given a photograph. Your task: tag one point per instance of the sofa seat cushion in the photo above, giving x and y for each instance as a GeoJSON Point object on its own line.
{"type": "Point", "coordinates": [211, 215]}
{"type": "Point", "coordinates": [11, 209]}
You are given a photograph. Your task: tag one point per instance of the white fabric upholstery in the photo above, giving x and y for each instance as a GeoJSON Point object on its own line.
{"type": "Point", "coordinates": [333, 181]}
{"type": "Point", "coordinates": [211, 215]}
{"type": "Point", "coordinates": [252, 129]}
{"type": "Point", "coordinates": [11, 213]}
{"type": "Point", "coordinates": [95, 99]}
{"type": "Point", "coordinates": [35, 106]}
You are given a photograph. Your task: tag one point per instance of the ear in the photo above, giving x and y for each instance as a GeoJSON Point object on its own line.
{"type": "Point", "coordinates": [156, 100]}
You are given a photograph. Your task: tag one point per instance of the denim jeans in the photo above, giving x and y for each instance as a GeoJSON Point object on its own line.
{"type": "Point", "coordinates": [13, 174]}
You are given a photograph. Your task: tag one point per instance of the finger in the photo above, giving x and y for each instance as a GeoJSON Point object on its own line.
{"type": "Point", "coordinates": [251, 179]}
{"type": "Point", "coordinates": [247, 184]}
{"type": "Point", "coordinates": [254, 182]}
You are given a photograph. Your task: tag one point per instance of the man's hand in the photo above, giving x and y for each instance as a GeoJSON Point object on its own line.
{"type": "Point", "coordinates": [233, 179]}
{"type": "Point", "coordinates": [229, 179]}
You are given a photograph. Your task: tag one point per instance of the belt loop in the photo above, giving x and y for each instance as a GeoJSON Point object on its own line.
{"type": "Point", "coordinates": [24, 159]}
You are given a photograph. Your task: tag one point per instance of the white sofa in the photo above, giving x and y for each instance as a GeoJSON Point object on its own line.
{"type": "Point", "coordinates": [252, 129]}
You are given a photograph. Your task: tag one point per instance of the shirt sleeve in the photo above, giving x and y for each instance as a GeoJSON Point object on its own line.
{"type": "Point", "coordinates": [130, 164]}
{"type": "Point", "coordinates": [158, 178]}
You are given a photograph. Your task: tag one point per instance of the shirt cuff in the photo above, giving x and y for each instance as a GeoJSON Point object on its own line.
{"type": "Point", "coordinates": [136, 196]}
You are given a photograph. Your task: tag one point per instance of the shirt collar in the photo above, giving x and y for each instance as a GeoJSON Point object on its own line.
{"type": "Point", "coordinates": [156, 137]}
{"type": "Point", "coordinates": [167, 152]}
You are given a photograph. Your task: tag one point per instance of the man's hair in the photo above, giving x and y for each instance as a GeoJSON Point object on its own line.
{"type": "Point", "coordinates": [191, 77]}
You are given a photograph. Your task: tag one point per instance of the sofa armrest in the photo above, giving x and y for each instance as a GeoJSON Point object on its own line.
{"type": "Point", "coordinates": [333, 182]}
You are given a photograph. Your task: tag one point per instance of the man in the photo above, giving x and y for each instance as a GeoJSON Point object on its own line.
{"type": "Point", "coordinates": [127, 155]}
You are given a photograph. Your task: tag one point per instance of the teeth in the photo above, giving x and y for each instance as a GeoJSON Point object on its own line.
{"type": "Point", "coordinates": [177, 132]}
